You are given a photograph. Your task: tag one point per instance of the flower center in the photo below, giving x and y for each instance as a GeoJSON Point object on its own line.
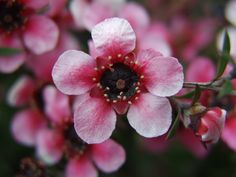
{"type": "Point", "coordinates": [119, 81]}
{"type": "Point", "coordinates": [74, 145]}
{"type": "Point", "coordinates": [11, 15]}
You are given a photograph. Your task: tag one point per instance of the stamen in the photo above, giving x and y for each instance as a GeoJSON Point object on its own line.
{"type": "Point", "coordinates": [96, 69]}
{"type": "Point", "coordinates": [129, 102]}
{"type": "Point", "coordinates": [105, 95]}
{"type": "Point", "coordinates": [126, 58]}
{"type": "Point", "coordinates": [136, 88]}
{"type": "Point", "coordinates": [99, 85]}
{"type": "Point", "coordinates": [109, 57]}
{"type": "Point", "coordinates": [94, 79]}
{"type": "Point", "coordinates": [114, 101]}
{"type": "Point", "coordinates": [142, 76]}
{"type": "Point", "coordinates": [138, 91]}
{"type": "Point", "coordinates": [119, 55]}
{"type": "Point", "coordinates": [107, 88]}
{"type": "Point", "coordinates": [121, 93]}
{"type": "Point", "coordinates": [119, 96]}
{"type": "Point", "coordinates": [108, 100]}
{"type": "Point", "coordinates": [102, 67]}
{"type": "Point", "coordinates": [136, 98]}
{"type": "Point", "coordinates": [124, 97]}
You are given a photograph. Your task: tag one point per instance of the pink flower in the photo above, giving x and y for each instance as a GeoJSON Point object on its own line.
{"type": "Point", "coordinates": [117, 80]}
{"type": "Point", "coordinates": [211, 125]}
{"type": "Point", "coordinates": [20, 20]}
{"type": "Point", "coordinates": [107, 156]}
{"type": "Point", "coordinates": [26, 126]}
{"type": "Point", "coordinates": [41, 65]}
{"type": "Point", "coordinates": [39, 33]}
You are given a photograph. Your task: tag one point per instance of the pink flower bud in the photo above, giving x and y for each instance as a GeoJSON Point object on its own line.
{"type": "Point", "coordinates": [211, 125]}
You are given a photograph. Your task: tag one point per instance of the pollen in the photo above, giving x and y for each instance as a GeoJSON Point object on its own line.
{"type": "Point", "coordinates": [109, 57]}
{"type": "Point", "coordinates": [142, 76]}
{"type": "Point", "coordinates": [126, 58]}
{"type": "Point", "coordinates": [119, 55]}
{"type": "Point", "coordinates": [94, 79]}
{"type": "Point", "coordinates": [99, 85]}
{"type": "Point", "coordinates": [129, 102]}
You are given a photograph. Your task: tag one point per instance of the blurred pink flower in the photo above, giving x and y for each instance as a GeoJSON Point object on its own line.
{"type": "Point", "coordinates": [117, 80]}
{"type": "Point", "coordinates": [22, 26]}
{"type": "Point", "coordinates": [211, 125]}
{"type": "Point", "coordinates": [41, 65]}
{"type": "Point", "coordinates": [188, 38]}
{"type": "Point", "coordinates": [201, 69]}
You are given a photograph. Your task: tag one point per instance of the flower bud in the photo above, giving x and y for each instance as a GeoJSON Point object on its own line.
{"type": "Point", "coordinates": [211, 125]}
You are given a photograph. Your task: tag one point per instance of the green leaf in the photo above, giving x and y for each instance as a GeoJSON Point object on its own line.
{"type": "Point", "coordinates": [224, 59]}
{"type": "Point", "coordinates": [197, 94]}
{"type": "Point", "coordinates": [226, 89]}
{"type": "Point", "coordinates": [226, 43]}
{"type": "Point", "coordinates": [174, 126]}
{"type": "Point", "coordinates": [4, 51]}
{"type": "Point", "coordinates": [225, 56]}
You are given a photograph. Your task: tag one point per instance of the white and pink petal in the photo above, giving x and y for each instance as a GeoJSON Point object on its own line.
{"type": "Point", "coordinates": [80, 167]}
{"type": "Point", "coordinates": [113, 36]}
{"type": "Point", "coordinates": [26, 126]}
{"type": "Point", "coordinates": [73, 72]}
{"type": "Point", "coordinates": [40, 34]}
{"type": "Point", "coordinates": [163, 76]}
{"type": "Point", "coordinates": [94, 119]}
{"type": "Point", "coordinates": [57, 105]}
{"type": "Point", "coordinates": [150, 115]}
{"type": "Point", "coordinates": [21, 92]}
{"type": "Point", "coordinates": [108, 156]}
{"type": "Point", "coordinates": [49, 146]}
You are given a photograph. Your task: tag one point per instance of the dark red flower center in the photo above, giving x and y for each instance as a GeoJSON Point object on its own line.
{"type": "Point", "coordinates": [11, 15]}
{"type": "Point", "coordinates": [120, 81]}
{"type": "Point", "coordinates": [74, 145]}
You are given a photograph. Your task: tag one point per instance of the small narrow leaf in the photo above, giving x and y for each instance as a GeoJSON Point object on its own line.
{"type": "Point", "coordinates": [197, 94]}
{"type": "Point", "coordinates": [226, 43]}
{"type": "Point", "coordinates": [226, 89]}
{"type": "Point", "coordinates": [223, 61]}
{"type": "Point", "coordinates": [174, 126]}
{"type": "Point", "coordinates": [4, 51]}
{"type": "Point", "coordinates": [225, 56]}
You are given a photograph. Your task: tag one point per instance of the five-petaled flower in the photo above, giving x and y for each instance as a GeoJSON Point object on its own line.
{"type": "Point", "coordinates": [117, 80]}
